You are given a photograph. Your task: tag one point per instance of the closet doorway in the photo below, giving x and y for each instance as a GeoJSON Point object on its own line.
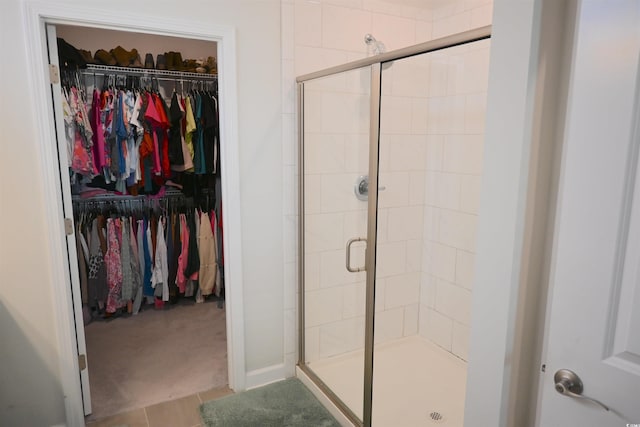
{"type": "Point", "coordinates": [171, 347]}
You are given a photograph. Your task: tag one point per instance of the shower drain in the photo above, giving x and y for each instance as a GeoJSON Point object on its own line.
{"type": "Point", "coordinates": [436, 417]}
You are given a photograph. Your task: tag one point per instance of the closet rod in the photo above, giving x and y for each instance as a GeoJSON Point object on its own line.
{"type": "Point", "coordinates": [170, 75]}
{"type": "Point", "coordinates": [127, 197]}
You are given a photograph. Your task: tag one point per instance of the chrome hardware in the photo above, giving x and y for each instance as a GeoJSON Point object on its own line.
{"type": "Point", "coordinates": [569, 384]}
{"type": "Point", "coordinates": [361, 189]}
{"type": "Point", "coordinates": [348, 261]}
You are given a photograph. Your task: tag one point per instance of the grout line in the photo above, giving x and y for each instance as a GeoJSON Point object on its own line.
{"type": "Point", "coordinates": [199, 398]}
{"type": "Point", "coordinates": [146, 417]}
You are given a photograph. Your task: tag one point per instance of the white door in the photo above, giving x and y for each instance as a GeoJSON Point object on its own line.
{"type": "Point", "coordinates": [593, 326]}
{"type": "Point", "coordinates": [68, 214]}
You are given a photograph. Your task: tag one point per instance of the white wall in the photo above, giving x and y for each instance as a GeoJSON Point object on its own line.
{"type": "Point", "coordinates": [30, 379]}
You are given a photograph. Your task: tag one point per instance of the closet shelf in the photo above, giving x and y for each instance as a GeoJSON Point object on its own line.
{"type": "Point", "coordinates": [160, 74]}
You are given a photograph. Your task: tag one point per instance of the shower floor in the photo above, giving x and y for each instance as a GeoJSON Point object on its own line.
{"type": "Point", "coordinates": [412, 379]}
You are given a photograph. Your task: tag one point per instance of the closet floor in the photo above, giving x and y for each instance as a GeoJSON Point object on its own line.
{"type": "Point", "coordinates": [183, 412]}
{"type": "Point", "coordinates": [155, 356]}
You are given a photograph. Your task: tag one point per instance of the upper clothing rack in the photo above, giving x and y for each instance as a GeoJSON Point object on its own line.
{"type": "Point", "coordinates": [148, 72]}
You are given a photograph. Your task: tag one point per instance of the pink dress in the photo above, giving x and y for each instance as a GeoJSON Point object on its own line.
{"type": "Point", "coordinates": [114, 265]}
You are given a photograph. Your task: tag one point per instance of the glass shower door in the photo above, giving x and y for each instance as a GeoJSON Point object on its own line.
{"type": "Point", "coordinates": [432, 111]}
{"type": "Point", "coordinates": [335, 163]}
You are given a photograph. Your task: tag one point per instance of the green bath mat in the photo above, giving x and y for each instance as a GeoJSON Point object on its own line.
{"type": "Point", "coordinates": [285, 403]}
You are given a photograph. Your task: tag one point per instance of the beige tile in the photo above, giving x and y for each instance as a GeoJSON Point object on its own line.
{"type": "Point", "coordinates": [215, 393]}
{"type": "Point", "coordinates": [135, 418]}
{"type": "Point", "coordinates": [176, 413]}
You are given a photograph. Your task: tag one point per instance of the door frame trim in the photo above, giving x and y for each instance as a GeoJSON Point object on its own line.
{"type": "Point", "coordinates": [35, 16]}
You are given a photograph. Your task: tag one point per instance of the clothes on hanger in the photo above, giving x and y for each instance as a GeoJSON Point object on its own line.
{"type": "Point", "coordinates": [155, 249]}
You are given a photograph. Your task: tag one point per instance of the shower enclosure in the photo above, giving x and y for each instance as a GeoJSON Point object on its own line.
{"type": "Point", "coordinates": [390, 168]}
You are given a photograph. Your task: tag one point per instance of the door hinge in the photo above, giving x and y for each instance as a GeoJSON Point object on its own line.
{"type": "Point", "coordinates": [82, 362]}
{"type": "Point", "coordinates": [68, 226]}
{"type": "Point", "coordinates": [54, 74]}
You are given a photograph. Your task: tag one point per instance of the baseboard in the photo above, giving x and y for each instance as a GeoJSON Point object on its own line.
{"type": "Point", "coordinates": [328, 404]}
{"type": "Point", "coordinates": [265, 376]}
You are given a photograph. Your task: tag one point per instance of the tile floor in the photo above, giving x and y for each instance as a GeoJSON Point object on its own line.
{"type": "Point", "coordinates": [183, 412]}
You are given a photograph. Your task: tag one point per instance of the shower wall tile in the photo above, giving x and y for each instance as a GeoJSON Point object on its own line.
{"type": "Point", "coordinates": [405, 223]}
{"type": "Point", "coordinates": [440, 260]}
{"type": "Point", "coordinates": [312, 271]}
{"type": "Point", "coordinates": [355, 224]}
{"type": "Point", "coordinates": [419, 112]}
{"type": "Point", "coordinates": [414, 255]}
{"type": "Point", "coordinates": [460, 340]}
{"type": "Point", "coordinates": [381, 286]}
{"type": "Point", "coordinates": [438, 74]}
{"type": "Point", "coordinates": [474, 113]}
{"type": "Point", "coordinates": [395, 115]}
{"type": "Point", "coordinates": [323, 232]}
{"type": "Point", "coordinates": [308, 23]}
{"type": "Point", "coordinates": [396, 193]}
{"type": "Point", "coordinates": [451, 25]}
{"type": "Point", "coordinates": [356, 156]}
{"type": "Point", "coordinates": [436, 327]}
{"type": "Point", "coordinates": [389, 325]}
{"type": "Point", "coordinates": [470, 193]}
{"type": "Point", "coordinates": [453, 301]}
{"type": "Point", "coordinates": [476, 72]}
{"type": "Point", "coordinates": [402, 290]}
{"type": "Point", "coordinates": [345, 113]}
{"type": "Point", "coordinates": [400, 79]}
{"type": "Point", "coordinates": [458, 230]}
{"type": "Point", "coordinates": [428, 290]}
{"type": "Point", "coordinates": [443, 190]}
{"type": "Point", "coordinates": [482, 16]}
{"type": "Point", "coordinates": [397, 9]}
{"type": "Point", "coordinates": [395, 32]}
{"type": "Point", "coordinates": [309, 59]}
{"type": "Point", "coordinates": [312, 343]}
{"type": "Point", "coordinates": [353, 4]}
{"type": "Point", "coordinates": [354, 300]}
{"type": "Point", "coordinates": [323, 306]}
{"type": "Point", "coordinates": [324, 153]}
{"type": "Point", "coordinates": [411, 315]}
{"type": "Point", "coordinates": [463, 154]}
{"type": "Point", "coordinates": [465, 269]}
{"type": "Point", "coordinates": [344, 28]}
{"type": "Point", "coordinates": [435, 149]}
{"type": "Point", "coordinates": [332, 266]}
{"type": "Point", "coordinates": [423, 31]}
{"type": "Point", "coordinates": [407, 152]}
{"type": "Point", "coordinates": [337, 194]}
{"type": "Point", "coordinates": [341, 337]}
{"type": "Point", "coordinates": [391, 259]}
{"type": "Point", "coordinates": [312, 184]}
{"type": "Point", "coordinates": [417, 188]}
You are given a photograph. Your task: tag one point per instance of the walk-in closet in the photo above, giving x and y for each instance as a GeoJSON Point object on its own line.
{"type": "Point", "coordinates": [142, 142]}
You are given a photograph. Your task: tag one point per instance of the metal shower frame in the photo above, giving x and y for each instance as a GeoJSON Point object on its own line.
{"type": "Point", "coordinates": [375, 64]}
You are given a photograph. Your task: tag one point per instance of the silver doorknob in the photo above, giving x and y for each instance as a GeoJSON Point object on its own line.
{"type": "Point", "coordinates": [569, 384]}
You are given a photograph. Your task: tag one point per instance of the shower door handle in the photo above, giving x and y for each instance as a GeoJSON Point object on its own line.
{"type": "Point", "coordinates": [348, 261]}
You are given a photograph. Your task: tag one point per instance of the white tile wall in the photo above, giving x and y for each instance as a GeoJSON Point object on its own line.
{"type": "Point", "coordinates": [430, 165]}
